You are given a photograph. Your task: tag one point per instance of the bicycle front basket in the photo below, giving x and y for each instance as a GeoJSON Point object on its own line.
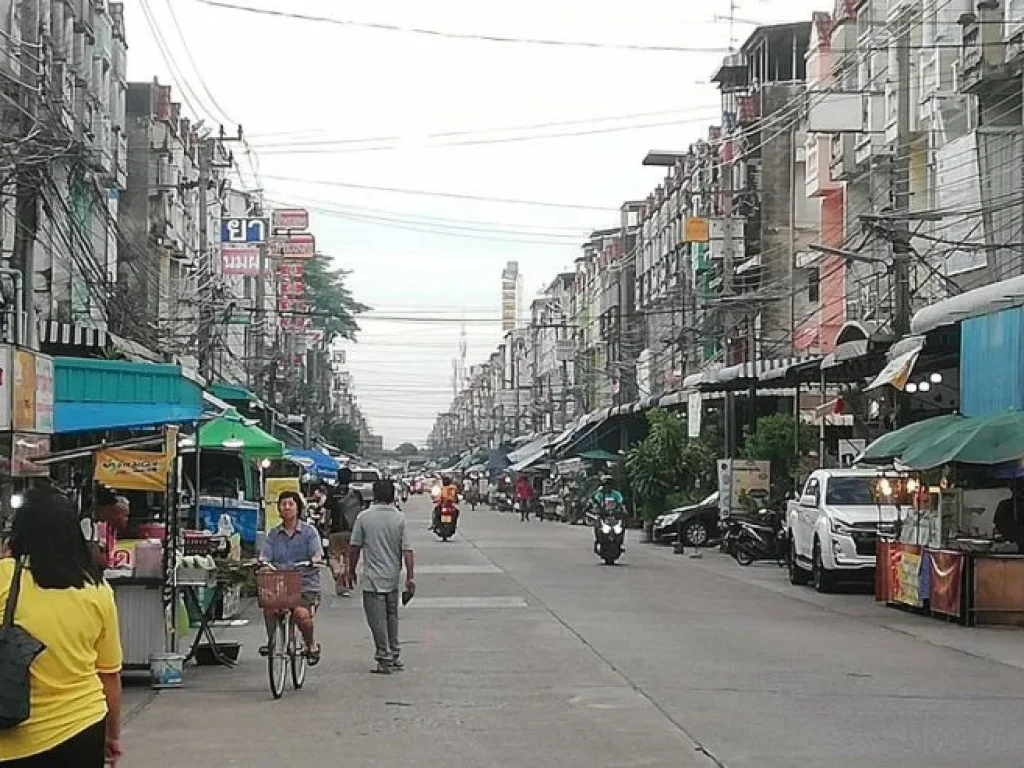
{"type": "Point", "coordinates": [279, 590]}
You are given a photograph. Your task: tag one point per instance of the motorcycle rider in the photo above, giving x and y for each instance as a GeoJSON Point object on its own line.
{"type": "Point", "coordinates": [606, 492]}
{"type": "Point", "coordinates": [449, 494]}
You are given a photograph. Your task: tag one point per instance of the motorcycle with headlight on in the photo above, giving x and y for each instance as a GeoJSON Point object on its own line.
{"type": "Point", "coordinates": [610, 537]}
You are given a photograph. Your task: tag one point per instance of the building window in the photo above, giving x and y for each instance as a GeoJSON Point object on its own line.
{"type": "Point", "coordinates": [813, 285]}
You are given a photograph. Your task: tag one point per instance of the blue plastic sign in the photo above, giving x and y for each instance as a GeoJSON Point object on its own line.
{"type": "Point", "coordinates": [244, 230]}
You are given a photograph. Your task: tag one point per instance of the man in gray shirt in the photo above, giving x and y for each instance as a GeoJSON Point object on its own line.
{"type": "Point", "coordinates": [379, 536]}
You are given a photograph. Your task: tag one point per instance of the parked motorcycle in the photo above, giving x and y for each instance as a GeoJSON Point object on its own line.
{"type": "Point", "coordinates": [448, 520]}
{"type": "Point", "coordinates": [761, 539]}
{"type": "Point", "coordinates": [730, 529]}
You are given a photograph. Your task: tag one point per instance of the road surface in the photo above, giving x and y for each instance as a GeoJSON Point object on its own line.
{"type": "Point", "coordinates": [522, 650]}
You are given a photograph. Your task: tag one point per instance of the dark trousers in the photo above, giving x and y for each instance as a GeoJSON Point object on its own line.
{"type": "Point", "coordinates": [84, 750]}
{"type": "Point", "coordinates": [381, 610]}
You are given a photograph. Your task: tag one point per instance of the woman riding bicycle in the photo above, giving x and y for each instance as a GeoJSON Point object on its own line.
{"type": "Point", "coordinates": [290, 543]}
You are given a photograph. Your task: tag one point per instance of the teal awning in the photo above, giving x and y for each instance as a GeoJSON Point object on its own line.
{"type": "Point", "coordinates": [233, 393]}
{"type": "Point", "coordinates": [98, 395]}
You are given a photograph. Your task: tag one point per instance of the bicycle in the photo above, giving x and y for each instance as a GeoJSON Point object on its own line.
{"type": "Point", "coordinates": [281, 591]}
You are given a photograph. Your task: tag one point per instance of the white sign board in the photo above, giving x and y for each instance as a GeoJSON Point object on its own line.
{"type": "Point", "coordinates": [694, 413]}
{"type": "Point", "coordinates": [44, 394]}
{"type": "Point", "coordinates": [742, 485]}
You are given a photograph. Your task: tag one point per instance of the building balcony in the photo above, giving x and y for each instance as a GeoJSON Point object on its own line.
{"type": "Point", "coordinates": [842, 156]}
{"type": "Point", "coordinates": [818, 154]}
{"type": "Point", "coordinates": [982, 51]}
{"type": "Point", "coordinates": [748, 109]}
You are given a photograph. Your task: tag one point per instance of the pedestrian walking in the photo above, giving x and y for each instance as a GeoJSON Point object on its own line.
{"type": "Point", "coordinates": [343, 507]}
{"type": "Point", "coordinates": [380, 538]}
{"type": "Point", "coordinates": [56, 589]}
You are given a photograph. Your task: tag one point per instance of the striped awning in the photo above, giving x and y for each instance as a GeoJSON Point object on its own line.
{"type": "Point", "coordinates": [73, 335]}
{"type": "Point", "coordinates": [743, 374]}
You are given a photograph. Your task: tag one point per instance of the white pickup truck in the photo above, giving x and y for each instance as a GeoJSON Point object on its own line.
{"type": "Point", "coordinates": [834, 525]}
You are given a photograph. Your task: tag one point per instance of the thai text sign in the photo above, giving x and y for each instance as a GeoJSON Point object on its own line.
{"type": "Point", "coordinates": [294, 246]}
{"type": "Point", "coordinates": [129, 470]}
{"type": "Point", "coordinates": [240, 260]}
{"type": "Point", "coordinates": [290, 218]}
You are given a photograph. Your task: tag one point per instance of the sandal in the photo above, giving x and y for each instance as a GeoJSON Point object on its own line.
{"type": "Point", "coordinates": [382, 669]}
{"type": "Point", "coordinates": [313, 656]}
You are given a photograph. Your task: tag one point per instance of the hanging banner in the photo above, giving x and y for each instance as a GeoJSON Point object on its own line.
{"type": "Point", "coordinates": [127, 470]}
{"type": "Point", "coordinates": [946, 578]}
{"type": "Point", "coordinates": [23, 415]}
{"type": "Point", "coordinates": [905, 584]}
{"type": "Point", "coordinates": [694, 414]}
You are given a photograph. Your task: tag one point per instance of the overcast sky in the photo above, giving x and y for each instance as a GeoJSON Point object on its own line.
{"type": "Point", "coordinates": [297, 85]}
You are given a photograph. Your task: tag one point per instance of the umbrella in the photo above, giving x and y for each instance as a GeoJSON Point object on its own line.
{"type": "Point", "coordinates": [894, 444]}
{"type": "Point", "coordinates": [233, 432]}
{"type": "Point", "coordinates": [324, 465]}
{"type": "Point", "coordinates": [600, 455]}
{"type": "Point", "coordinates": [989, 440]}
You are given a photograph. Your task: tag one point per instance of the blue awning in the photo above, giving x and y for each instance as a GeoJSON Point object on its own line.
{"type": "Point", "coordinates": [97, 417]}
{"type": "Point", "coordinates": [324, 465]}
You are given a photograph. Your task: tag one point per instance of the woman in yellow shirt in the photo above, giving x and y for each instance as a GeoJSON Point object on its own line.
{"type": "Point", "coordinates": [75, 718]}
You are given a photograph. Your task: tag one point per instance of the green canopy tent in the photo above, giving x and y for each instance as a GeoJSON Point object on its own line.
{"type": "Point", "coordinates": [233, 432]}
{"type": "Point", "coordinates": [987, 440]}
{"type": "Point", "coordinates": [892, 445]}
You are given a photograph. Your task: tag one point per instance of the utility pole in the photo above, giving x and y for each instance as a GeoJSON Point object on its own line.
{"type": "Point", "coordinates": [27, 177]}
{"type": "Point", "coordinates": [727, 292]}
{"type": "Point", "coordinates": [901, 188]}
{"type": "Point", "coordinates": [204, 331]}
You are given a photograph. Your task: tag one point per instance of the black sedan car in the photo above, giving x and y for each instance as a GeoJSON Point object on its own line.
{"type": "Point", "coordinates": [697, 523]}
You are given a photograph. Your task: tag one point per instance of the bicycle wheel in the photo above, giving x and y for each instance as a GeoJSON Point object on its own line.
{"type": "Point", "coordinates": [277, 655]}
{"type": "Point", "coordinates": [297, 654]}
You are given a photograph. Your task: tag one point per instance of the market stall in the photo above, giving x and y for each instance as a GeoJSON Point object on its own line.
{"type": "Point", "coordinates": [958, 551]}
{"type": "Point", "coordinates": [223, 475]}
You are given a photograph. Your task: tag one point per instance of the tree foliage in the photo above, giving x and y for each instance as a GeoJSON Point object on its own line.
{"type": "Point", "coordinates": [406, 449]}
{"type": "Point", "coordinates": [667, 464]}
{"type": "Point", "coordinates": [330, 302]}
{"type": "Point", "coordinates": [772, 440]}
{"type": "Point", "coordinates": [343, 436]}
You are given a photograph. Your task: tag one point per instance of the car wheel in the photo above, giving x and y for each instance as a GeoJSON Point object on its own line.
{"type": "Point", "coordinates": [695, 533]}
{"type": "Point", "coordinates": [797, 575]}
{"type": "Point", "coordinates": [824, 581]}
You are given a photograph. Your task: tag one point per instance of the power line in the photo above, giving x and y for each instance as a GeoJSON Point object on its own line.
{"type": "Point", "coordinates": [438, 193]}
{"type": "Point", "coordinates": [442, 34]}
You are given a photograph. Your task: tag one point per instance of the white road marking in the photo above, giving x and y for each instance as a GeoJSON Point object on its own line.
{"type": "Point", "coordinates": [458, 569]}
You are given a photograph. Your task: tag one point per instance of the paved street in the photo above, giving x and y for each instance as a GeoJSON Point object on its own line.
{"type": "Point", "coordinates": [523, 651]}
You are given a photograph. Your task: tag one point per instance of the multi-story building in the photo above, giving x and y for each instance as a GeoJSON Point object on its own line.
{"type": "Point", "coordinates": [766, 293]}
{"type": "Point", "coordinates": [166, 271]}
{"type": "Point", "coordinates": [69, 59]}
{"type": "Point", "coordinates": [511, 296]}
{"type": "Point", "coordinates": [554, 355]}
